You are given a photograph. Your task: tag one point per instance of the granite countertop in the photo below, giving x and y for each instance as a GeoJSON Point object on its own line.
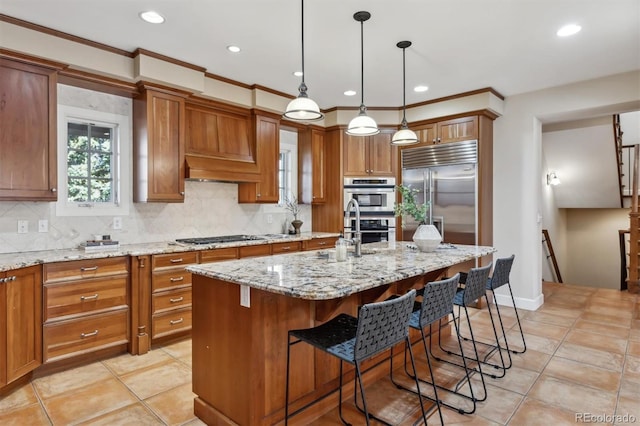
{"type": "Point", "coordinates": [10, 261]}
{"type": "Point", "coordinates": [315, 275]}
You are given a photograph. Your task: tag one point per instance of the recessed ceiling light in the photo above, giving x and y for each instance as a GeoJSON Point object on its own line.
{"type": "Point", "coordinates": [233, 49]}
{"type": "Point", "coordinates": [350, 93]}
{"type": "Point", "coordinates": [297, 73]}
{"type": "Point", "coordinates": [568, 30]}
{"type": "Point", "coordinates": [420, 89]}
{"type": "Point", "coordinates": [152, 17]}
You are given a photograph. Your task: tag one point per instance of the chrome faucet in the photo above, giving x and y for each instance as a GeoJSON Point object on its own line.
{"type": "Point", "coordinates": [356, 237]}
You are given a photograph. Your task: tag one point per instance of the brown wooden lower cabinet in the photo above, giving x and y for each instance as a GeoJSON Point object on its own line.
{"type": "Point", "coordinates": [20, 323]}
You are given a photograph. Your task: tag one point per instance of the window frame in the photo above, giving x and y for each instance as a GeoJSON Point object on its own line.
{"type": "Point", "coordinates": [121, 160]}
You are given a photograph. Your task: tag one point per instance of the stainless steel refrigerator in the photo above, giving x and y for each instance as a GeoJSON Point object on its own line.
{"type": "Point", "coordinates": [445, 176]}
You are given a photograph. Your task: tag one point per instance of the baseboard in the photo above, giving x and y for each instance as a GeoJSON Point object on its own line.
{"type": "Point", "coordinates": [521, 303]}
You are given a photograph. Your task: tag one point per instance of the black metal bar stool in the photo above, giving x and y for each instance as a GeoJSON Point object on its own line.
{"type": "Point", "coordinates": [473, 290]}
{"type": "Point", "coordinates": [437, 302]}
{"type": "Point", "coordinates": [378, 328]}
{"type": "Point", "coordinates": [499, 278]}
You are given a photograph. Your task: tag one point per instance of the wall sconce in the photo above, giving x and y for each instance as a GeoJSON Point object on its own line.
{"type": "Point", "coordinates": [553, 179]}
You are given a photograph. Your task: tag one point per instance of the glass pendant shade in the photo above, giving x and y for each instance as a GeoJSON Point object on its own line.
{"type": "Point", "coordinates": [404, 136]}
{"type": "Point", "coordinates": [303, 108]}
{"type": "Point", "coordinates": [362, 124]}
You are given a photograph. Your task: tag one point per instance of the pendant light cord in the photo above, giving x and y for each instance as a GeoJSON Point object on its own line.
{"type": "Point", "coordinates": [302, 36]}
{"type": "Point", "coordinates": [361, 62]}
{"type": "Point", "coordinates": [404, 88]}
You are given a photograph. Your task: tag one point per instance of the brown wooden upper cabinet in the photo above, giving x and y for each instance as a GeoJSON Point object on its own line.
{"type": "Point", "coordinates": [311, 166]}
{"type": "Point", "coordinates": [28, 136]}
{"type": "Point", "coordinates": [454, 130]}
{"type": "Point", "coordinates": [267, 134]}
{"type": "Point", "coordinates": [159, 138]}
{"type": "Point", "coordinates": [370, 155]}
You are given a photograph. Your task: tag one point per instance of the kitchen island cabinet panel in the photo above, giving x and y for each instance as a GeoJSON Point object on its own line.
{"type": "Point", "coordinates": [319, 243]}
{"type": "Point", "coordinates": [28, 138]}
{"type": "Point", "coordinates": [20, 323]}
{"type": "Point", "coordinates": [218, 254]}
{"type": "Point", "coordinates": [288, 247]}
{"type": "Point", "coordinates": [253, 251]}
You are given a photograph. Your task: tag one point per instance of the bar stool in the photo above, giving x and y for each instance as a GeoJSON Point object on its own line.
{"type": "Point", "coordinates": [499, 278]}
{"type": "Point", "coordinates": [378, 328]}
{"type": "Point", "coordinates": [473, 290]}
{"type": "Point", "coordinates": [437, 302]}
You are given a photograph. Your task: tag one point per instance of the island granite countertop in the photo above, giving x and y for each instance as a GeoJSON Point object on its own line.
{"type": "Point", "coordinates": [316, 275]}
{"type": "Point", "coordinates": [9, 261]}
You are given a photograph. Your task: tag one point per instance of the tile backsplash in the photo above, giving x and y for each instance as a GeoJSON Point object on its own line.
{"type": "Point", "coordinates": [210, 208]}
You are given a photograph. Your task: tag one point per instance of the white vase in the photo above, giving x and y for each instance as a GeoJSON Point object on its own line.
{"type": "Point", "coordinates": [427, 238]}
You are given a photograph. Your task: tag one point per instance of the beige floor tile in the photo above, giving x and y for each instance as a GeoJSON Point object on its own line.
{"type": "Point", "coordinates": [546, 318]}
{"type": "Point", "coordinates": [590, 356]}
{"type": "Point", "coordinates": [135, 414]}
{"type": "Point", "coordinates": [517, 380]}
{"type": "Point", "coordinates": [632, 369]}
{"type": "Point", "coordinates": [630, 389]}
{"type": "Point", "coordinates": [195, 422]}
{"type": "Point", "coordinates": [531, 360]}
{"type": "Point", "coordinates": [156, 379]}
{"type": "Point", "coordinates": [30, 415]}
{"type": "Point", "coordinates": [538, 343]}
{"type": "Point", "coordinates": [70, 380]}
{"type": "Point", "coordinates": [634, 348]}
{"type": "Point", "coordinates": [88, 402]}
{"type": "Point", "coordinates": [551, 331]}
{"type": "Point", "coordinates": [500, 404]}
{"type": "Point", "coordinates": [583, 374]}
{"type": "Point", "coordinates": [572, 396]}
{"type": "Point", "coordinates": [538, 413]}
{"type": "Point", "coordinates": [560, 311]}
{"type": "Point", "coordinates": [179, 349]}
{"type": "Point", "coordinates": [600, 328]}
{"type": "Point", "coordinates": [21, 397]}
{"type": "Point", "coordinates": [634, 334]}
{"type": "Point", "coordinates": [174, 406]}
{"type": "Point", "coordinates": [627, 409]}
{"type": "Point", "coordinates": [607, 319]}
{"type": "Point", "coordinates": [597, 341]}
{"type": "Point", "coordinates": [127, 363]}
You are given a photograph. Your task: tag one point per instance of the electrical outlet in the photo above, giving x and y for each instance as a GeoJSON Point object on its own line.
{"type": "Point", "coordinates": [43, 225]}
{"type": "Point", "coordinates": [117, 222]}
{"type": "Point", "coordinates": [269, 218]}
{"type": "Point", "coordinates": [23, 226]}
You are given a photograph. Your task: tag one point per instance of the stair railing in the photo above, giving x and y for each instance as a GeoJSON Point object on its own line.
{"type": "Point", "coordinates": [633, 283]}
{"type": "Point", "coordinates": [617, 139]}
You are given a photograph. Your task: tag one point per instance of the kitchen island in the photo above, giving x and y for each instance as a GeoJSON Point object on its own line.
{"type": "Point", "coordinates": [242, 310]}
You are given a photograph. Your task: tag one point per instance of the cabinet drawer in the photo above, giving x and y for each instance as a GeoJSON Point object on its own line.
{"type": "Point", "coordinates": [218, 254]}
{"type": "Point", "coordinates": [82, 269]}
{"type": "Point", "coordinates": [80, 297]}
{"type": "Point", "coordinates": [259, 250]}
{"type": "Point", "coordinates": [171, 300]}
{"type": "Point", "coordinates": [177, 278]}
{"type": "Point", "coordinates": [174, 259]}
{"type": "Point", "coordinates": [64, 339]}
{"type": "Point", "coordinates": [319, 243]}
{"type": "Point", "coordinates": [287, 247]}
{"type": "Point", "coordinates": [171, 322]}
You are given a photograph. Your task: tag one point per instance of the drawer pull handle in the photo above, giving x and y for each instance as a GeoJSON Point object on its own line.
{"type": "Point", "coordinates": [177, 299]}
{"type": "Point", "coordinates": [178, 321]}
{"type": "Point", "coordinates": [94, 297]}
{"type": "Point", "coordinates": [286, 248]}
{"type": "Point", "coordinates": [176, 279]}
{"type": "Point", "coordinates": [322, 243]}
{"type": "Point", "coordinates": [93, 268]}
{"type": "Point", "coordinates": [175, 260]}
{"type": "Point", "coordinates": [93, 333]}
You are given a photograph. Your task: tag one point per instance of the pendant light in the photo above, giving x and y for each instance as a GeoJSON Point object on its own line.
{"type": "Point", "coordinates": [404, 136]}
{"type": "Point", "coordinates": [362, 124]}
{"type": "Point", "coordinates": [303, 108]}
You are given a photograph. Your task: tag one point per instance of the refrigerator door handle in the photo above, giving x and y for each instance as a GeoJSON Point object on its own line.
{"type": "Point", "coordinates": [438, 222]}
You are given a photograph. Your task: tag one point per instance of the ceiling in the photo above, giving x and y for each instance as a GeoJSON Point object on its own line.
{"type": "Point", "coordinates": [458, 45]}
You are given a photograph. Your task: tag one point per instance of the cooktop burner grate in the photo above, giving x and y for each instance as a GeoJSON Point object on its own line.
{"type": "Point", "coordinates": [217, 240]}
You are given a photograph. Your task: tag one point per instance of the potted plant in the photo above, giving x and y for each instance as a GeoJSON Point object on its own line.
{"type": "Point", "coordinates": [427, 238]}
{"type": "Point", "coordinates": [291, 204]}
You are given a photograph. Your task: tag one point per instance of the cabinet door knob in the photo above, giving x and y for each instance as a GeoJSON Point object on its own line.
{"type": "Point", "coordinates": [54, 190]}
{"type": "Point", "coordinates": [182, 193]}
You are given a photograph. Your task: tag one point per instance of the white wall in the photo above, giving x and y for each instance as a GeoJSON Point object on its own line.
{"type": "Point", "coordinates": [518, 169]}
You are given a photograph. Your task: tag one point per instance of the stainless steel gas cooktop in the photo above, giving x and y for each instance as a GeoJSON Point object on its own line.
{"type": "Point", "coordinates": [218, 240]}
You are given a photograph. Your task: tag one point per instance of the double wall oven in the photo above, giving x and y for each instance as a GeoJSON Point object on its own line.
{"type": "Point", "coordinates": [376, 198]}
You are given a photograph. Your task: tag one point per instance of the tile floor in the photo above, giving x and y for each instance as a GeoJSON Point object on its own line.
{"type": "Point", "coordinates": [583, 356]}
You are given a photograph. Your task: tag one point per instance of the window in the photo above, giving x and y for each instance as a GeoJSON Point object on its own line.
{"type": "Point", "coordinates": [288, 165]}
{"type": "Point", "coordinates": [93, 163]}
